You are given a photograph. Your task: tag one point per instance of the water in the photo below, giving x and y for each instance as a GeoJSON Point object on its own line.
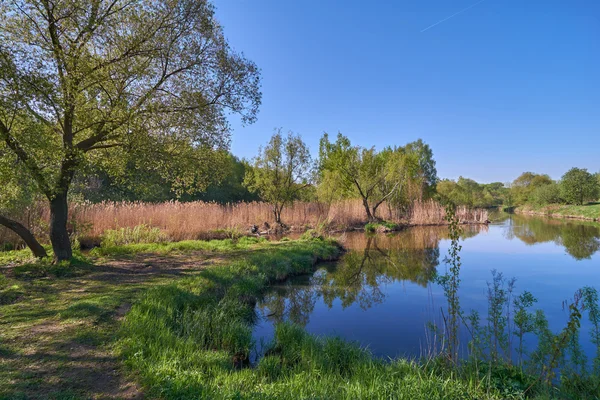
{"type": "Point", "coordinates": [381, 294]}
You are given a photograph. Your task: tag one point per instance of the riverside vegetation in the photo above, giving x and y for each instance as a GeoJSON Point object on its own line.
{"type": "Point", "coordinates": [192, 337]}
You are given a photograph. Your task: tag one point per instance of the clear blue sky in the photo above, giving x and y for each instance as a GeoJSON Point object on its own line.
{"type": "Point", "coordinates": [504, 87]}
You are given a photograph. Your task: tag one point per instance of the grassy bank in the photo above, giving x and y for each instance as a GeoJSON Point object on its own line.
{"type": "Point", "coordinates": [178, 318]}
{"type": "Point", "coordinates": [586, 212]}
{"type": "Point", "coordinates": [193, 339]}
{"type": "Point", "coordinates": [59, 323]}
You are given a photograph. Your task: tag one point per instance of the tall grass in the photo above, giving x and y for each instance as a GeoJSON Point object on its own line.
{"type": "Point", "coordinates": [201, 220]}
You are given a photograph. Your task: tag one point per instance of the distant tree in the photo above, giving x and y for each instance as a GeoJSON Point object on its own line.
{"type": "Point", "coordinates": [579, 186]}
{"type": "Point", "coordinates": [229, 189]}
{"type": "Point", "coordinates": [280, 172]}
{"type": "Point", "coordinates": [547, 194]}
{"type": "Point", "coordinates": [375, 177]}
{"type": "Point", "coordinates": [470, 193]}
{"type": "Point", "coordinates": [98, 79]}
{"type": "Point", "coordinates": [525, 184]}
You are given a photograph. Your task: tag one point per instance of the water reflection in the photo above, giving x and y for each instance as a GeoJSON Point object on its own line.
{"type": "Point", "coordinates": [360, 277]}
{"type": "Point", "coordinates": [581, 240]}
{"type": "Point", "coordinates": [381, 292]}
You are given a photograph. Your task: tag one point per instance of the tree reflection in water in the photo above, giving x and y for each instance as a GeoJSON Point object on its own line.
{"type": "Point", "coordinates": [580, 239]}
{"type": "Point", "coordinates": [372, 262]}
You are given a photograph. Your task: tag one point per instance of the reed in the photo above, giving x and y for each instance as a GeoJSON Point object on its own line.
{"type": "Point", "coordinates": [205, 220]}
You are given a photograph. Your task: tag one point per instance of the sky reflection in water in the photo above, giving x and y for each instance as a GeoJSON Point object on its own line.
{"type": "Point", "coordinates": [381, 294]}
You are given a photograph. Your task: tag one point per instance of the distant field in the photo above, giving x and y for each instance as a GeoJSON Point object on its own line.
{"type": "Point", "coordinates": [589, 211]}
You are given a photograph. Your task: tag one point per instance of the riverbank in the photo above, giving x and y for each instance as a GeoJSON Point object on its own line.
{"type": "Point", "coordinates": [175, 322]}
{"type": "Point", "coordinates": [60, 323]}
{"type": "Point", "coordinates": [589, 212]}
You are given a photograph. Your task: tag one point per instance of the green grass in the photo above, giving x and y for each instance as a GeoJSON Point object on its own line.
{"type": "Point", "coordinates": [381, 225]}
{"type": "Point", "coordinates": [59, 323]}
{"type": "Point", "coordinates": [192, 339]}
{"type": "Point", "coordinates": [589, 211]}
{"type": "Point", "coordinates": [164, 248]}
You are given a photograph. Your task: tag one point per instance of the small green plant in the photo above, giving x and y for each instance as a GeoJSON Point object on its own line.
{"type": "Point", "coordinates": [523, 321]}
{"type": "Point", "coordinates": [138, 234]}
{"type": "Point", "coordinates": [385, 226]}
{"type": "Point", "coordinates": [450, 282]}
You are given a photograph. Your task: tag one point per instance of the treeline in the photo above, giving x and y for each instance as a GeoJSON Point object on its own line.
{"type": "Point", "coordinates": [577, 186]}
{"type": "Point", "coordinates": [284, 172]}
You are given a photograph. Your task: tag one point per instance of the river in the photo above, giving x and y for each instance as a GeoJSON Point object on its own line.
{"type": "Point", "coordinates": [382, 293]}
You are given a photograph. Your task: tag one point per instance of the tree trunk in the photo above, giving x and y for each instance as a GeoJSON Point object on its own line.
{"type": "Point", "coordinates": [59, 212]}
{"type": "Point", "coordinates": [35, 247]}
{"type": "Point", "coordinates": [368, 210]}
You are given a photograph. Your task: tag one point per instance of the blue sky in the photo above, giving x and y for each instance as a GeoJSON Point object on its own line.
{"type": "Point", "coordinates": [504, 87]}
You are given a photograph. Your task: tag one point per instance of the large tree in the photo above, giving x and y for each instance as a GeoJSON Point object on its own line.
{"type": "Point", "coordinates": [83, 82]}
{"type": "Point", "coordinates": [376, 176]}
{"type": "Point", "coordinates": [280, 172]}
{"type": "Point", "coordinates": [579, 186]}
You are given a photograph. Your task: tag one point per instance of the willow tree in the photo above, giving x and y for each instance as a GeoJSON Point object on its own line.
{"type": "Point", "coordinates": [280, 172]}
{"type": "Point", "coordinates": [98, 79]}
{"type": "Point", "coordinates": [374, 176]}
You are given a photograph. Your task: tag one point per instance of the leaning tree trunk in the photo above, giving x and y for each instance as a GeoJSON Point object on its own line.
{"type": "Point", "coordinates": [59, 236]}
{"type": "Point", "coordinates": [368, 210]}
{"type": "Point", "coordinates": [25, 234]}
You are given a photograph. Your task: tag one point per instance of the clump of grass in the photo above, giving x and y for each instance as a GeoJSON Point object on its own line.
{"type": "Point", "coordinates": [137, 234]}
{"type": "Point", "coordinates": [381, 226]}
{"type": "Point", "coordinates": [183, 246]}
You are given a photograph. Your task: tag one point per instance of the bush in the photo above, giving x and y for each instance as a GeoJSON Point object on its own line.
{"type": "Point", "coordinates": [547, 194]}
{"type": "Point", "coordinates": [138, 234]}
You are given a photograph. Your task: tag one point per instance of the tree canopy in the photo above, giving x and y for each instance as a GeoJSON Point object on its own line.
{"type": "Point", "coordinates": [579, 186]}
{"type": "Point", "coordinates": [83, 83]}
{"type": "Point", "coordinates": [395, 174]}
{"type": "Point", "coordinates": [281, 171]}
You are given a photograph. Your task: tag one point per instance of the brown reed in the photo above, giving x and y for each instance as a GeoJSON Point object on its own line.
{"type": "Point", "coordinates": [195, 220]}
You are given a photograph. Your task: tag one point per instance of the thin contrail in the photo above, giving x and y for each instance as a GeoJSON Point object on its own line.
{"type": "Point", "coordinates": [453, 15]}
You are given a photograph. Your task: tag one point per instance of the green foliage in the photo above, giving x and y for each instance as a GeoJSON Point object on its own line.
{"type": "Point", "coordinates": [523, 321]}
{"type": "Point", "coordinates": [450, 282]}
{"type": "Point", "coordinates": [523, 187]}
{"type": "Point", "coordinates": [281, 171]}
{"type": "Point", "coordinates": [148, 84]}
{"type": "Point", "coordinates": [578, 186]}
{"type": "Point", "coordinates": [467, 192]}
{"type": "Point", "coordinates": [547, 194]}
{"type": "Point", "coordinates": [138, 234]}
{"type": "Point", "coordinates": [397, 175]}
{"type": "Point", "coordinates": [176, 247]}
{"type": "Point", "coordinates": [381, 226]}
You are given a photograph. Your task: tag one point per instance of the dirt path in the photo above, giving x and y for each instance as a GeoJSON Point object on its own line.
{"type": "Point", "coordinates": [56, 341]}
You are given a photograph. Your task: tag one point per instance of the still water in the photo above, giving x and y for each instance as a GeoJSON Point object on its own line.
{"type": "Point", "coordinates": [381, 293]}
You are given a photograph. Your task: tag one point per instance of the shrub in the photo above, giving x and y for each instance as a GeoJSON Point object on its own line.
{"type": "Point", "coordinates": [547, 194]}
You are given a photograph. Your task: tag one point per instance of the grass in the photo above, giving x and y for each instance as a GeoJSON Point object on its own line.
{"type": "Point", "coordinates": [193, 339]}
{"type": "Point", "coordinates": [59, 322]}
{"type": "Point", "coordinates": [179, 317]}
{"type": "Point", "coordinates": [384, 226]}
{"type": "Point", "coordinates": [589, 211]}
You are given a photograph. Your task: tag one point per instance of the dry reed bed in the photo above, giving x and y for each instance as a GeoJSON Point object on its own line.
{"type": "Point", "coordinates": [197, 220]}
